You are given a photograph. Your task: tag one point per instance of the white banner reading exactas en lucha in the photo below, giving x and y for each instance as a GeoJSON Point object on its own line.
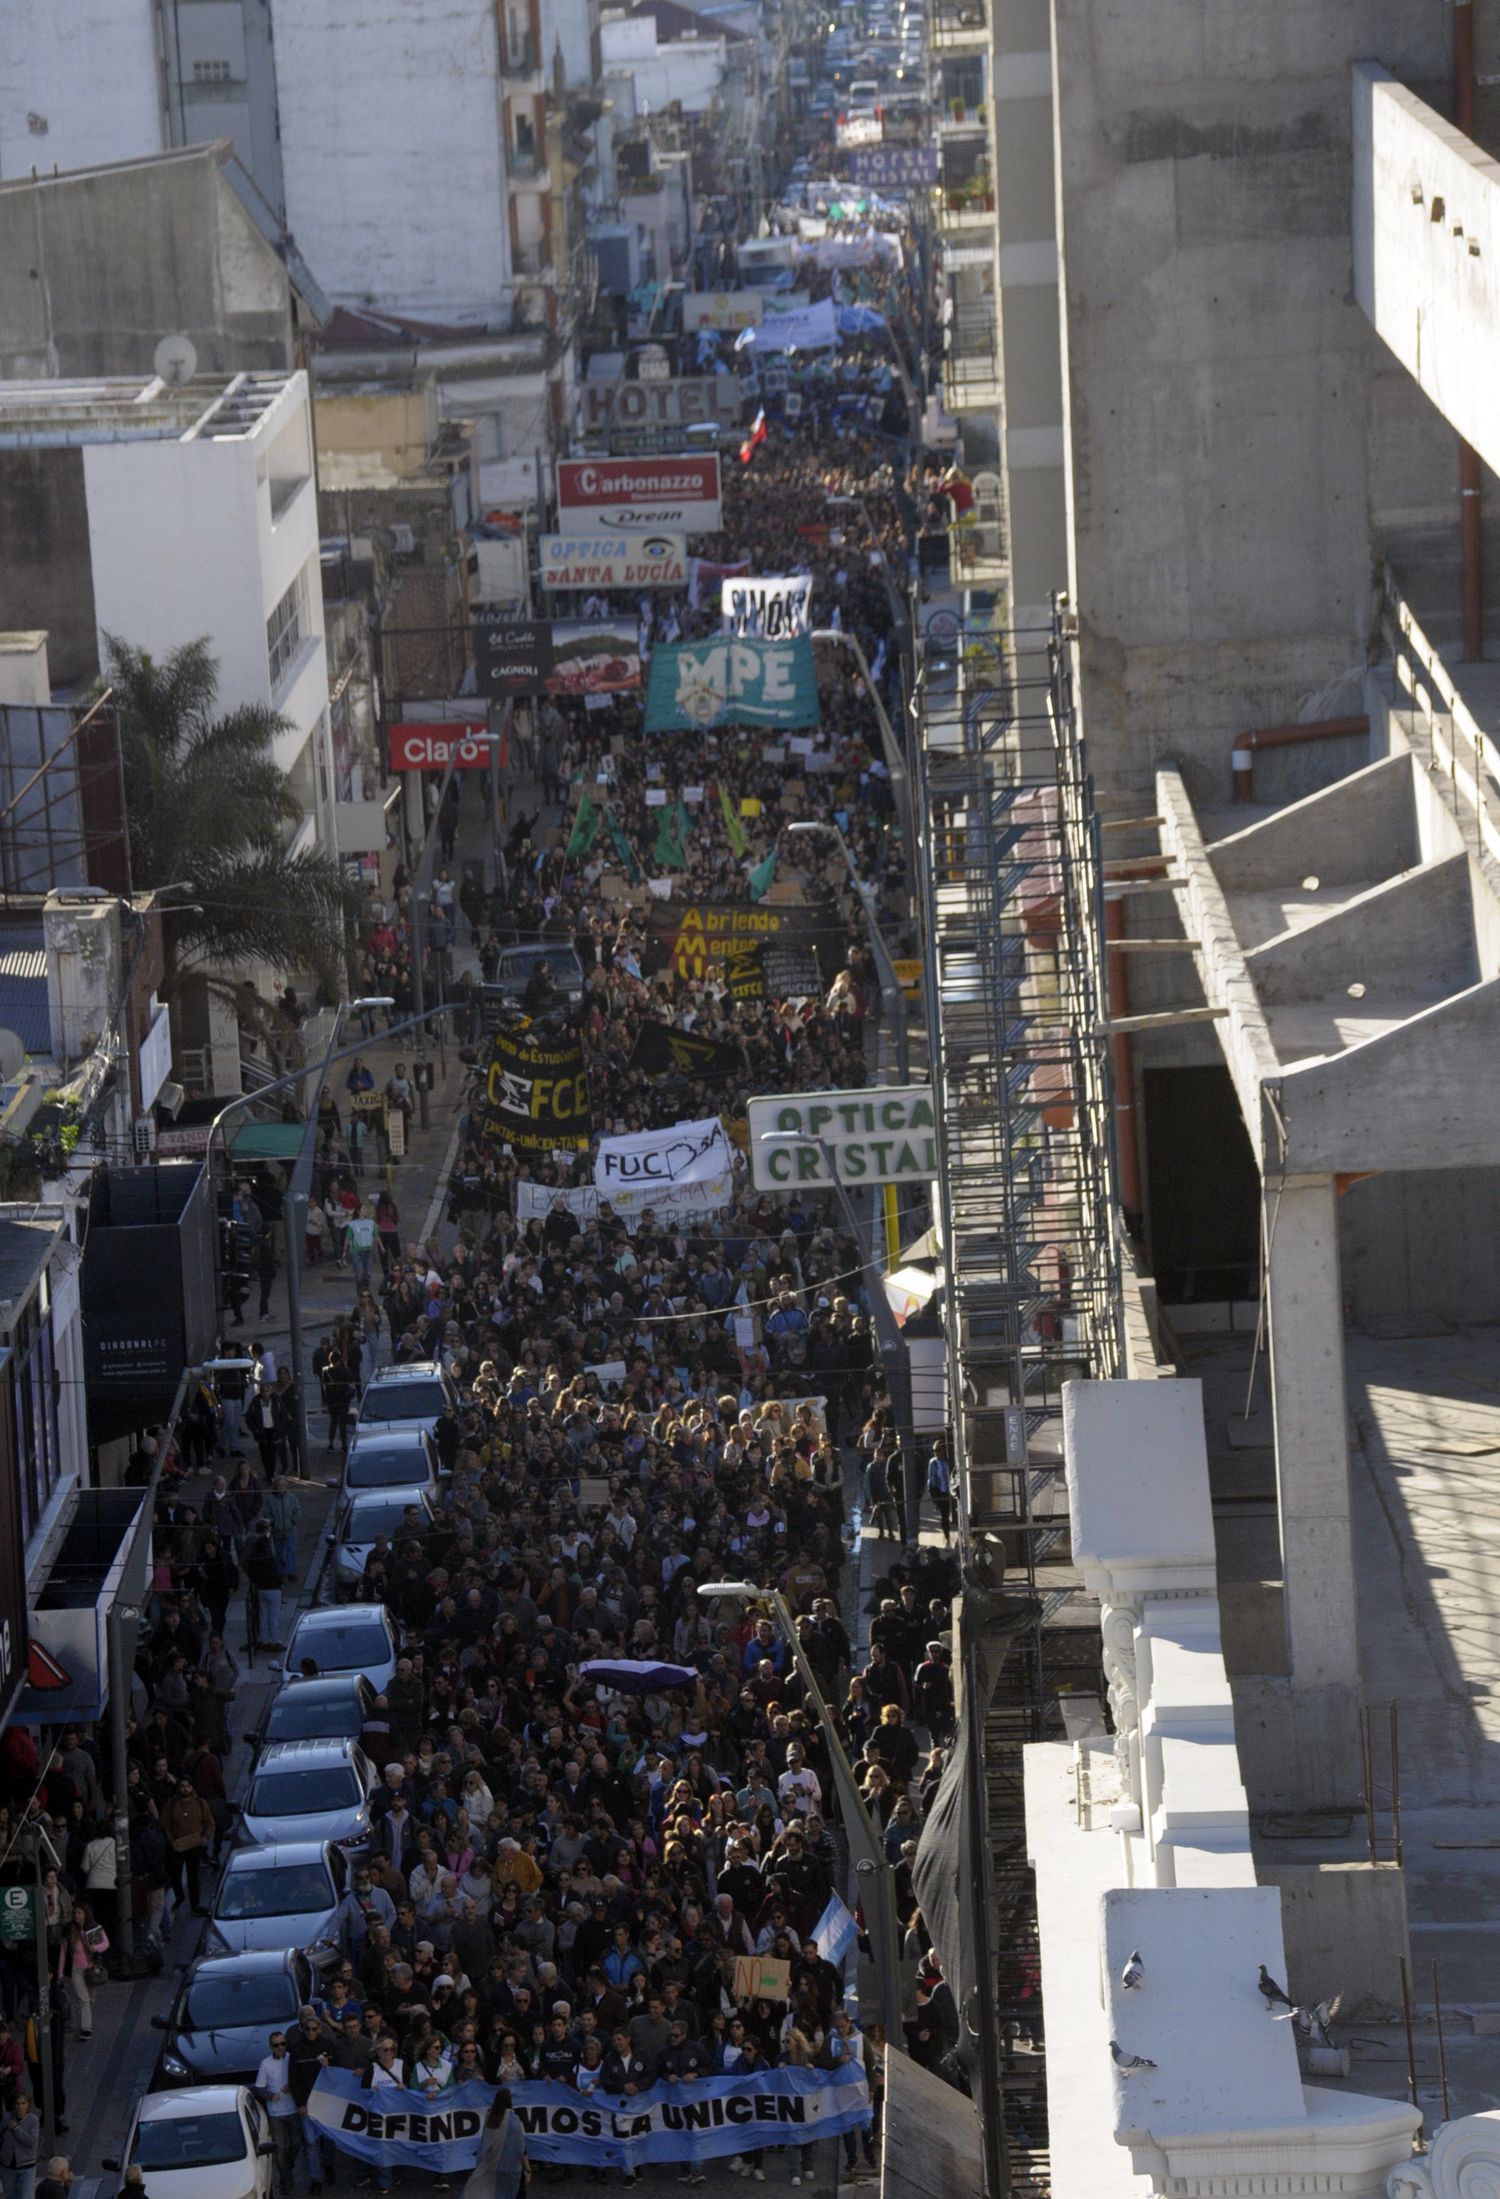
{"type": "Point", "coordinates": [687, 1169]}
{"type": "Point", "coordinates": [537, 1201]}
{"type": "Point", "coordinates": [773, 608]}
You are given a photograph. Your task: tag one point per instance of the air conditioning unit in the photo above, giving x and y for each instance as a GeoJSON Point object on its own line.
{"type": "Point", "coordinates": [169, 1099]}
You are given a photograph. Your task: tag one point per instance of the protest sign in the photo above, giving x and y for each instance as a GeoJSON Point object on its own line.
{"type": "Point", "coordinates": [761, 951]}
{"type": "Point", "coordinates": [774, 608]}
{"type": "Point", "coordinates": [395, 2128]}
{"type": "Point", "coordinates": [660, 1048]}
{"type": "Point", "coordinates": [535, 1201]}
{"type": "Point", "coordinates": [537, 1094]}
{"type": "Point", "coordinates": [761, 1977]}
{"type": "Point", "coordinates": [732, 681]}
{"type": "Point", "coordinates": [687, 1167]}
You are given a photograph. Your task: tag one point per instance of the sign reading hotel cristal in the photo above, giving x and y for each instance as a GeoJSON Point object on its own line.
{"type": "Point", "coordinates": [884, 1135]}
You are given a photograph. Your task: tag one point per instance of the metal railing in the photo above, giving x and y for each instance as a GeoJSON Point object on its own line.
{"type": "Point", "coordinates": [519, 57]}
{"type": "Point", "coordinates": [958, 25]}
{"type": "Point", "coordinates": [1462, 752]}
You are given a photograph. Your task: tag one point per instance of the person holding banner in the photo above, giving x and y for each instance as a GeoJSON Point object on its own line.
{"type": "Point", "coordinates": [502, 2169]}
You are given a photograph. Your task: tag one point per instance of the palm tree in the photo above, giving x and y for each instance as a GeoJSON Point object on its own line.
{"type": "Point", "coordinates": [206, 802]}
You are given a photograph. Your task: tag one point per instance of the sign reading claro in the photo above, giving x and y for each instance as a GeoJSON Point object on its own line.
{"type": "Point", "coordinates": [418, 746]}
{"type": "Point", "coordinates": [881, 1135]}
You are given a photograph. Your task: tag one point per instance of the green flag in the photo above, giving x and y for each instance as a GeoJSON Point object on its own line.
{"type": "Point", "coordinates": [670, 852]}
{"type": "Point", "coordinates": [585, 827]}
{"type": "Point", "coordinates": [623, 847]}
{"type": "Point", "coordinates": [732, 825]}
{"type": "Point", "coordinates": [762, 875]}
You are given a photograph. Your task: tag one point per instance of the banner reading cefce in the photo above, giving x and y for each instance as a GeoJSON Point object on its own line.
{"type": "Point", "coordinates": [536, 1095]}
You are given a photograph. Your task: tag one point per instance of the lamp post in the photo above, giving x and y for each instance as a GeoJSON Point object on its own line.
{"type": "Point", "coordinates": [871, 1864]}
{"type": "Point", "coordinates": [294, 1227]}
{"type": "Point", "coordinates": [895, 761]}
{"type": "Point", "coordinates": [893, 999]}
{"type": "Point", "coordinates": [882, 1315]}
{"type": "Point", "coordinates": [421, 887]}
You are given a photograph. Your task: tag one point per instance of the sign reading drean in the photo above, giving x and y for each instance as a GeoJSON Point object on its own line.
{"type": "Point", "coordinates": [884, 1135]}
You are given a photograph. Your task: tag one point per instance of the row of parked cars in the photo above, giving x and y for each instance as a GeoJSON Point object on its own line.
{"type": "Point", "coordinates": [274, 1931]}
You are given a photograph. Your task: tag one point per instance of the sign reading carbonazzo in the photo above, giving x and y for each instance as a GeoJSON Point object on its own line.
{"type": "Point", "coordinates": [884, 1135]}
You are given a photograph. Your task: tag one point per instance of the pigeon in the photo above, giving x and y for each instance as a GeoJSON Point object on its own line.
{"type": "Point", "coordinates": [1133, 1972]}
{"type": "Point", "coordinates": [1274, 1995]}
{"type": "Point", "coordinates": [1127, 2064]}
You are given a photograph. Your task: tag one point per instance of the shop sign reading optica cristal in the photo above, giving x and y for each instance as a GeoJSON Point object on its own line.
{"type": "Point", "coordinates": [884, 1135]}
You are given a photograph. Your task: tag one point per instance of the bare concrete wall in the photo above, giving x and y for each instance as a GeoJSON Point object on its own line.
{"type": "Point", "coordinates": [1425, 1241]}
{"type": "Point", "coordinates": [44, 557]}
{"type": "Point", "coordinates": [1345, 1930]}
{"type": "Point", "coordinates": [1223, 482]}
{"type": "Point", "coordinates": [96, 268]}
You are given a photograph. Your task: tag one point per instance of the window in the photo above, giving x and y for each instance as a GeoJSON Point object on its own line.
{"type": "Point", "coordinates": [286, 630]}
{"type": "Point", "coordinates": [211, 72]}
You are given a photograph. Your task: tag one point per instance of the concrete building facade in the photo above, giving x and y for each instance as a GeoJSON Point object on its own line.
{"type": "Point", "coordinates": [184, 512]}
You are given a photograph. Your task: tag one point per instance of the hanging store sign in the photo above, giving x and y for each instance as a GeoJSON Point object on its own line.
{"type": "Point", "coordinates": [693, 401]}
{"type": "Point", "coordinates": [595, 560]}
{"type": "Point", "coordinates": [882, 1135]}
{"type": "Point", "coordinates": [888, 166]}
{"type": "Point", "coordinates": [430, 746]}
{"type": "Point", "coordinates": [722, 309]}
{"type": "Point", "coordinates": [681, 492]}
{"type": "Point", "coordinates": [557, 656]}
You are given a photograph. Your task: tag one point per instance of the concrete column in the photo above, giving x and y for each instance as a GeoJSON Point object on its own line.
{"type": "Point", "coordinates": [1310, 1417]}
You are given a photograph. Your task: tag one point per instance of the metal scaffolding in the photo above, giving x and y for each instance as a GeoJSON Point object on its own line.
{"type": "Point", "coordinates": [1012, 887]}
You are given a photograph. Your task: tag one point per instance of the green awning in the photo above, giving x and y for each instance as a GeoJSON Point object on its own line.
{"type": "Point", "coordinates": [268, 1141]}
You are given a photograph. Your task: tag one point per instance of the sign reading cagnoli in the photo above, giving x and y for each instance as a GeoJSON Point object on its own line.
{"type": "Point", "coordinates": [881, 1135]}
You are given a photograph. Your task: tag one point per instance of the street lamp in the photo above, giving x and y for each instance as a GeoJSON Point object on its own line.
{"type": "Point", "coordinates": [295, 1211]}
{"type": "Point", "coordinates": [421, 887]}
{"type": "Point", "coordinates": [895, 761]}
{"type": "Point", "coordinates": [871, 1863]}
{"type": "Point", "coordinates": [882, 1314]}
{"type": "Point", "coordinates": [893, 999]}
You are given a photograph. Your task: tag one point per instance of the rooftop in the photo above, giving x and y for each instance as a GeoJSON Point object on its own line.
{"type": "Point", "coordinates": [131, 409]}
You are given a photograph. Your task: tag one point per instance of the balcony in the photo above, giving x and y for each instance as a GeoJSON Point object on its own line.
{"type": "Point", "coordinates": [520, 59]}
{"type": "Point", "coordinates": [976, 542]}
{"type": "Point", "coordinates": [971, 358]}
{"type": "Point", "coordinates": [960, 26]}
{"type": "Point", "coordinates": [963, 208]}
{"type": "Point", "coordinates": [963, 118]}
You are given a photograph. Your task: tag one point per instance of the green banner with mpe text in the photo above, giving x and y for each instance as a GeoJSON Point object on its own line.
{"type": "Point", "coordinates": [731, 680]}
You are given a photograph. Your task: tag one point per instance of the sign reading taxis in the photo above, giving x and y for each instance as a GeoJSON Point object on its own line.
{"type": "Point", "coordinates": [884, 1135]}
{"type": "Point", "coordinates": [537, 1094]}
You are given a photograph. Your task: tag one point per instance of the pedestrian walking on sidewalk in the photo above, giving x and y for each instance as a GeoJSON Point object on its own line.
{"type": "Point", "coordinates": [284, 1513]}
{"type": "Point", "coordinates": [263, 1572]}
{"type": "Point", "coordinates": [20, 2144]}
{"type": "Point", "coordinates": [188, 1823]}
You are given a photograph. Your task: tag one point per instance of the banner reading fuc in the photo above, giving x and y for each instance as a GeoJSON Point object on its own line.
{"type": "Point", "coordinates": [696, 2121]}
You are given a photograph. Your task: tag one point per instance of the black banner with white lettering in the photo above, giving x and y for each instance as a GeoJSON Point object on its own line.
{"type": "Point", "coordinates": [536, 1094]}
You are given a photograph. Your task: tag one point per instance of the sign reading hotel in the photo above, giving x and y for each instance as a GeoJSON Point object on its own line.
{"type": "Point", "coordinates": [884, 1135]}
{"type": "Point", "coordinates": [607, 494]}
{"type": "Point", "coordinates": [694, 400]}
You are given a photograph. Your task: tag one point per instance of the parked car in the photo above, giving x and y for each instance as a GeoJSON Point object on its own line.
{"type": "Point", "coordinates": [277, 1897]}
{"type": "Point", "coordinates": [209, 2141]}
{"type": "Point", "coordinates": [224, 2010]}
{"type": "Point", "coordinates": [337, 1706]}
{"type": "Point", "coordinates": [390, 1455]}
{"type": "Point", "coordinates": [310, 1790]}
{"type": "Point", "coordinates": [366, 1515]}
{"type": "Point", "coordinates": [503, 993]}
{"type": "Point", "coordinates": [411, 1394]}
{"type": "Point", "coordinates": [346, 1638]}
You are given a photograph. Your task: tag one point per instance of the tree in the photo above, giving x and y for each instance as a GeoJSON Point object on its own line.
{"type": "Point", "coordinates": [207, 802]}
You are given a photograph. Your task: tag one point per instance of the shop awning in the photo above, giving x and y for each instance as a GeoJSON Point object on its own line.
{"type": "Point", "coordinates": [268, 1141]}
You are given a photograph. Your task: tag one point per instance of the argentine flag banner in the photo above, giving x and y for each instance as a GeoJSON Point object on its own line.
{"type": "Point", "coordinates": [697, 2120]}
{"type": "Point", "coordinates": [835, 1933]}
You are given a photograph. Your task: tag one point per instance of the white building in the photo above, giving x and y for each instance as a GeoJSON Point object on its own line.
{"type": "Point", "coordinates": [392, 149]}
{"type": "Point", "coordinates": [201, 515]}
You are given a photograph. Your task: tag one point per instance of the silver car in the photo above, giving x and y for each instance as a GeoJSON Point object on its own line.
{"type": "Point", "coordinates": [383, 1455]}
{"type": "Point", "coordinates": [282, 1896]}
{"type": "Point", "coordinates": [409, 1393]}
{"type": "Point", "coordinates": [310, 1790]}
{"type": "Point", "coordinates": [363, 1518]}
{"type": "Point", "coordinates": [346, 1638]}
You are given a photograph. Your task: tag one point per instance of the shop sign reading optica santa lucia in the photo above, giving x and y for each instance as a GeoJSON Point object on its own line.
{"type": "Point", "coordinates": [885, 1135]}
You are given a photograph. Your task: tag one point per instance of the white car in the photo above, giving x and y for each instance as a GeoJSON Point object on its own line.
{"type": "Point", "coordinates": [346, 1637]}
{"type": "Point", "coordinates": [282, 1896]}
{"type": "Point", "coordinates": [310, 1790]}
{"type": "Point", "coordinates": [206, 2141]}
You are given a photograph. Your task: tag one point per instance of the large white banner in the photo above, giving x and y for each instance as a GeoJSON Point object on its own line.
{"type": "Point", "coordinates": [772, 608]}
{"type": "Point", "coordinates": [535, 1201]}
{"type": "Point", "coordinates": [805, 328]}
{"type": "Point", "coordinates": [685, 1170]}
